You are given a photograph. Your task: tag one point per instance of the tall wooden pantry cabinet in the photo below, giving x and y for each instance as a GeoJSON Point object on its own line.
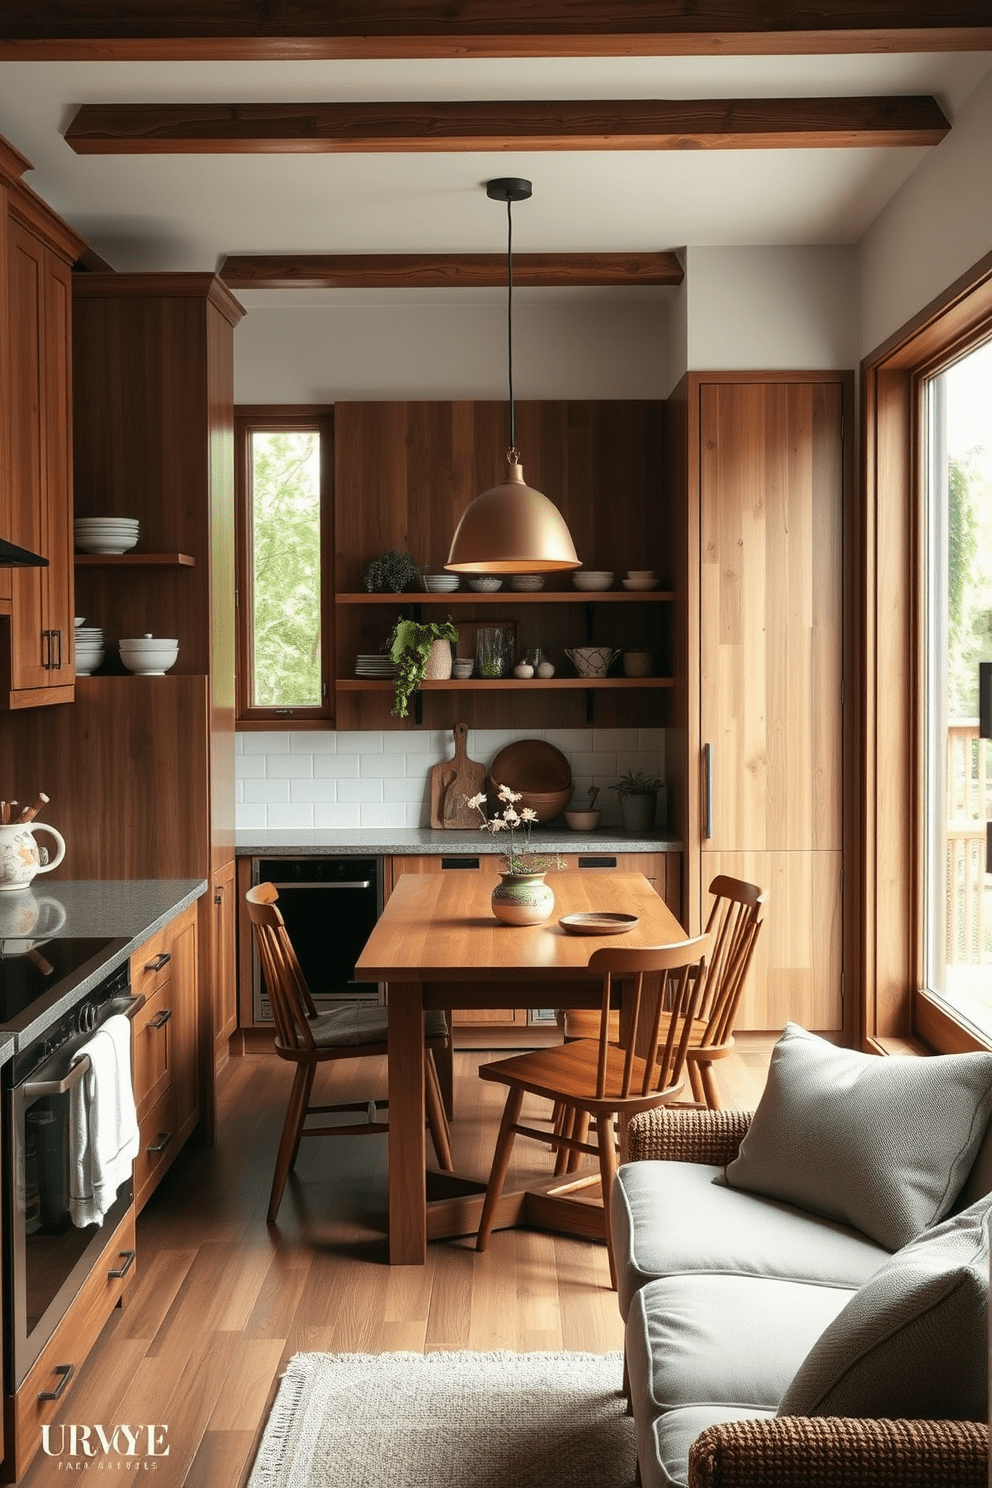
{"type": "Point", "coordinates": [758, 774]}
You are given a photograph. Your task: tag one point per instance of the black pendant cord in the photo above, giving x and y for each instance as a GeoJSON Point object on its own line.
{"type": "Point", "coordinates": [512, 453]}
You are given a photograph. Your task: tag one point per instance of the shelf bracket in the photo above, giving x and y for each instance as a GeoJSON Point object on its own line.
{"type": "Point", "coordinates": [418, 707]}
{"type": "Point", "coordinates": [590, 705]}
{"type": "Point", "coordinates": [590, 624]}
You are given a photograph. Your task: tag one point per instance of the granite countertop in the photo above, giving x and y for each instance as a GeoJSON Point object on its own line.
{"type": "Point", "coordinates": [401, 842]}
{"type": "Point", "coordinates": [126, 912]}
{"type": "Point", "coordinates": [8, 1045]}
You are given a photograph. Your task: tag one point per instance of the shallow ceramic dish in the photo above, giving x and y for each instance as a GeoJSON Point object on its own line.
{"type": "Point", "coordinates": [640, 583]}
{"type": "Point", "coordinates": [441, 583]}
{"type": "Point", "coordinates": [485, 586]}
{"type": "Point", "coordinates": [592, 579]}
{"type": "Point", "coordinates": [603, 922]}
{"type": "Point", "coordinates": [527, 583]}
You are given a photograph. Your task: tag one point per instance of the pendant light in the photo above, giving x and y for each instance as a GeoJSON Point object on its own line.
{"type": "Point", "coordinates": [511, 528]}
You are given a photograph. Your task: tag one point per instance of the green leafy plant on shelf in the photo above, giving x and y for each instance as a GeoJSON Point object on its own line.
{"type": "Point", "coordinates": [635, 783]}
{"type": "Point", "coordinates": [393, 572]}
{"type": "Point", "coordinates": [409, 644]}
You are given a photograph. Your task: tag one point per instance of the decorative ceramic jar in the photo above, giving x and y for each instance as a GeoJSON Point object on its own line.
{"type": "Point", "coordinates": [522, 899]}
{"type": "Point", "coordinates": [437, 668]}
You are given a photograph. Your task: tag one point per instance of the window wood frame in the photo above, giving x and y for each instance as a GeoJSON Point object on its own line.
{"type": "Point", "coordinates": [895, 1004]}
{"type": "Point", "coordinates": [248, 419]}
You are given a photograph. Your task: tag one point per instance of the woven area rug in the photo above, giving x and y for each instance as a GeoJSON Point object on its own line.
{"type": "Point", "coordinates": [448, 1420]}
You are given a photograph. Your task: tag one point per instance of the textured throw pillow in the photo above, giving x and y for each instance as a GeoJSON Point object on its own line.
{"type": "Point", "coordinates": [913, 1340]}
{"type": "Point", "coordinates": [883, 1144]}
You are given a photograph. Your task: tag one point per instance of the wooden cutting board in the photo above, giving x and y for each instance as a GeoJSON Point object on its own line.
{"type": "Point", "coordinates": [453, 783]}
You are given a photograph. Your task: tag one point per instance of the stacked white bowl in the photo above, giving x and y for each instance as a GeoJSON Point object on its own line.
{"type": "Point", "coordinates": [485, 585]}
{"type": "Point", "coordinates": [526, 583]}
{"type": "Point", "coordinates": [89, 647]}
{"type": "Point", "coordinates": [148, 655]}
{"type": "Point", "coordinates": [442, 583]}
{"type": "Point", "coordinates": [592, 578]}
{"type": "Point", "coordinates": [106, 534]}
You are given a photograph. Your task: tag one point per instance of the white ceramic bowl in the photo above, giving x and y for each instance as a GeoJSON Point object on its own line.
{"type": "Point", "coordinates": [88, 658]}
{"type": "Point", "coordinates": [640, 583]}
{"type": "Point", "coordinates": [527, 583]}
{"type": "Point", "coordinates": [582, 821]}
{"type": "Point", "coordinates": [640, 573]}
{"type": "Point", "coordinates": [149, 656]}
{"type": "Point", "coordinates": [106, 543]}
{"type": "Point", "coordinates": [485, 586]}
{"type": "Point", "coordinates": [592, 579]}
{"type": "Point", "coordinates": [441, 583]}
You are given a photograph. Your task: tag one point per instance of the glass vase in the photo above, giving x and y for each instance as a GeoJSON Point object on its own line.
{"type": "Point", "coordinates": [494, 650]}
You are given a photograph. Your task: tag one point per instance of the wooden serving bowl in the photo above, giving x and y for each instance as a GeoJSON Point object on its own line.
{"type": "Point", "coordinates": [539, 772]}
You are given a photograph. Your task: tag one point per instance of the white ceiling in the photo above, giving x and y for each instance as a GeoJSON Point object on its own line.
{"type": "Point", "coordinates": [186, 212]}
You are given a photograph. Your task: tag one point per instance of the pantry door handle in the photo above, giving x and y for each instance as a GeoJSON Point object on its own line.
{"type": "Point", "coordinates": [127, 1256]}
{"type": "Point", "coordinates": [66, 1371]}
{"type": "Point", "coordinates": [708, 789]}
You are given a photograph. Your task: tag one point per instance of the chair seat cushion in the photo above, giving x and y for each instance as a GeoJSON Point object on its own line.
{"type": "Point", "coordinates": [670, 1218]}
{"type": "Point", "coordinates": [664, 1454]}
{"type": "Point", "coordinates": [355, 1023]}
{"type": "Point", "coordinates": [725, 1342]}
{"type": "Point", "coordinates": [884, 1144]}
{"type": "Point", "coordinates": [913, 1341]}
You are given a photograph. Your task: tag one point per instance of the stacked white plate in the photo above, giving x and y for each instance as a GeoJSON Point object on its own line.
{"type": "Point", "coordinates": [375, 667]}
{"type": "Point", "coordinates": [443, 583]}
{"type": "Point", "coordinates": [106, 534]}
{"type": "Point", "coordinates": [90, 649]}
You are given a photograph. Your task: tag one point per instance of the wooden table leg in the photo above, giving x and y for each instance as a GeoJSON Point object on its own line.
{"type": "Point", "coordinates": [407, 1142]}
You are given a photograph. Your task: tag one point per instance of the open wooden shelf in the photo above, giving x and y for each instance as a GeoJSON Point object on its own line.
{"type": "Point", "coordinates": [509, 684]}
{"type": "Point", "coordinates": [509, 596]}
{"type": "Point", "coordinates": [134, 560]}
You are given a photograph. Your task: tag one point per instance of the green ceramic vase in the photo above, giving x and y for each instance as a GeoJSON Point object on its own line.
{"type": "Point", "coordinates": [522, 899]}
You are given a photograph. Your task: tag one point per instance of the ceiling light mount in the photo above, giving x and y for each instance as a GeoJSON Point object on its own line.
{"type": "Point", "coordinates": [509, 189]}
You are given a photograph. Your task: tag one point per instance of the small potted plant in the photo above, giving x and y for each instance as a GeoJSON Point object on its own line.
{"type": "Point", "coordinates": [419, 649]}
{"type": "Point", "coordinates": [638, 800]}
{"type": "Point", "coordinates": [522, 897]}
{"type": "Point", "coordinates": [393, 572]}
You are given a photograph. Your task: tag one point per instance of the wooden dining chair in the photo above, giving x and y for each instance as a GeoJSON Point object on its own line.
{"type": "Point", "coordinates": [597, 1080]}
{"type": "Point", "coordinates": [734, 922]}
{"type": "Point", "coordinates": [306, 1038]}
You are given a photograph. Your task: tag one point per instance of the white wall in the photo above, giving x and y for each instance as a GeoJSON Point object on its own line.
{"type": "Point", "coordinates": [771, 307]}
{"type": "Point", "coordinates": [933, 230]}
{"type": "Point", "coordinates": [317, 348]}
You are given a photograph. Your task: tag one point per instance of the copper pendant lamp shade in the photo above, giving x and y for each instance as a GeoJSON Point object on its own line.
{"type": "Point", "coordinates": [511, 528]}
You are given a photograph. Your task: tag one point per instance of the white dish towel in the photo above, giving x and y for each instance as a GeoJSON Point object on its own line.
{"type": "Point", "coordinates": [103, 1127]}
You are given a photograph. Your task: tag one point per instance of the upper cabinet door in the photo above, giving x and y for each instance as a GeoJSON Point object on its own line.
{"type": "Point", "coordinates": [39, 291]}
{"type": "Point", "coordinates": [771, 601]}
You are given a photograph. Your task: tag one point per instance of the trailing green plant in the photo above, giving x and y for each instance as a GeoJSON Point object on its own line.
{"type": "Point", "coordinates": [635, 783]}
{"type": "Point", "coordinates": [392, 572]}
{"type": "Point", "coordinates": [409, 644]}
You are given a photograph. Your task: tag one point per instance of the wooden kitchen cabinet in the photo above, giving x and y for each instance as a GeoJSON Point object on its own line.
{"type": "Point", "coordinates": [36, 254]}
{"type": "Point", "coordinates": [165, 1044]}
{"type": "Point", "coordinates": [757, 780]}
{"type": "Point", "coordinates": [223, 968]}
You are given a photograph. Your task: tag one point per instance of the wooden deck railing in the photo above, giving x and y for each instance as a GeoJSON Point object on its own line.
{"type": "Point", "coordinates": [968, 797]}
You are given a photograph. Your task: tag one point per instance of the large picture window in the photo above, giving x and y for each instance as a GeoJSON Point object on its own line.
{"type": "Point", "coordinates": [958, 601]}
{"type": "Point", "coordinates": [284, 517]}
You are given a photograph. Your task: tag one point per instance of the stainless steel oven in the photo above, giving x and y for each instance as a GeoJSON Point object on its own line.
{"type": "Point", "coordinates": [47, 1257]}
{"type": "Point", "coordinates": [330, 905]}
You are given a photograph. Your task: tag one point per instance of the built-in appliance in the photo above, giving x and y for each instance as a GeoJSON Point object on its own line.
{"type": "Point", "coordinates": [330, 905]}
{"type": "Point", "coordinates": [48, 995]}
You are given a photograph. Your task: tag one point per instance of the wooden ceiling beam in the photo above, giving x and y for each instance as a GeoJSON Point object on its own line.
{"type": "Point", "coordinates": [176, 30]}
{"type": "Point", "coordinates": [446, 270]}
{"type": "Point", "coordinates": [597, 124]}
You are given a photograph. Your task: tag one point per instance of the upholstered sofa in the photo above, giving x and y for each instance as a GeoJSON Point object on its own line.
{"type": "Point", "coordinates": [805, 1288]}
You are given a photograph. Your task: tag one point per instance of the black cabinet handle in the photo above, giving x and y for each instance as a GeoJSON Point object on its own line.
{"type": "Point", "coordinates": [66, 1371]}
{"type": "Point", "coordinates": [164, 1138]}
{"type": "Point", "coordinates": [587, 862]}
{"type": "Point", "coordinates": [128, 1258]}
{"type": "Point", "coordinates": [161, 1020]}
{"type": "Point", "coordinates": [161, 960]}
{"type": "Point", "coordinates": [459, 863]}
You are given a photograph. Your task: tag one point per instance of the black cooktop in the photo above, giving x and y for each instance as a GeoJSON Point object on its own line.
{"type": "Point", "coordinates": [29, 975]}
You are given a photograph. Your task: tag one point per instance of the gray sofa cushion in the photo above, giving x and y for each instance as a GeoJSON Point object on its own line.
{"type": "Point", "coordinates": [730, 1344]}
{"type": "Point", "coordinates": [883, 1144]}
{"type": "Point", "coordinates": [671, 1217]}
{"type": "Point", "coordinates": [913, 1341]}
{"type": "Point", "coordinates": [664, 1450]}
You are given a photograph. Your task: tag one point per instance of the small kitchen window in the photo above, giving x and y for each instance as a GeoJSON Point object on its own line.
{"type": "Point", "coordinates": [283, 484]}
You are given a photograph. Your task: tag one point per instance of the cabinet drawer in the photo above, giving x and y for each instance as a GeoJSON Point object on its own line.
{"type": "Point", "coordinates": [69, 1345]}
{"type": "Point", "coordinates": [160, 1141]}
{"type": "Point", "coordinates": [151, 965]}
{"type": "Point", "coordinates": [153, 1048]}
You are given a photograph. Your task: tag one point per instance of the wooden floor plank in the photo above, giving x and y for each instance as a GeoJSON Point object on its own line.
{"type": "Point", "coordinates": [221, 1300]}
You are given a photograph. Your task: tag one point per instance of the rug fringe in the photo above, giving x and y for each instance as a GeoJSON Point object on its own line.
{"type": "Point", "coordinates": [270, 1463]}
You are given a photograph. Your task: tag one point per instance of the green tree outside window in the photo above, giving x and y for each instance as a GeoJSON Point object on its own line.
{"type": "Point", "coordinates": [285, 566]}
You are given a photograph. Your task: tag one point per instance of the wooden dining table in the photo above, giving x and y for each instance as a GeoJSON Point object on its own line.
{"type": "Point", "coordinates": [438, 945]}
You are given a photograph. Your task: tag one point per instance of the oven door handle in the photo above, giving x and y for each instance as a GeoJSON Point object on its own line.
{"type": "Point", "coordinates": [357, 883]}
{"type": "Point", "coordinates": [34, 1088]}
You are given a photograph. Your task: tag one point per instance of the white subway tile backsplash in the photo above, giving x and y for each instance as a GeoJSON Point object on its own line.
{"type": "Point", "coordinates": [364, 779]}
{"type": "Point", "coordinates": [336, 817]}
{"type": "Point", "coordinates": [267, 791]}
{"type": "Point", "coordinates": [311, 791]}
{"type": "Point", "coordinates": [359, 790]}
{"type": "Point", "coordinates": [290, 767]}
{"type": "Point", "coordinates": [290, 817]}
